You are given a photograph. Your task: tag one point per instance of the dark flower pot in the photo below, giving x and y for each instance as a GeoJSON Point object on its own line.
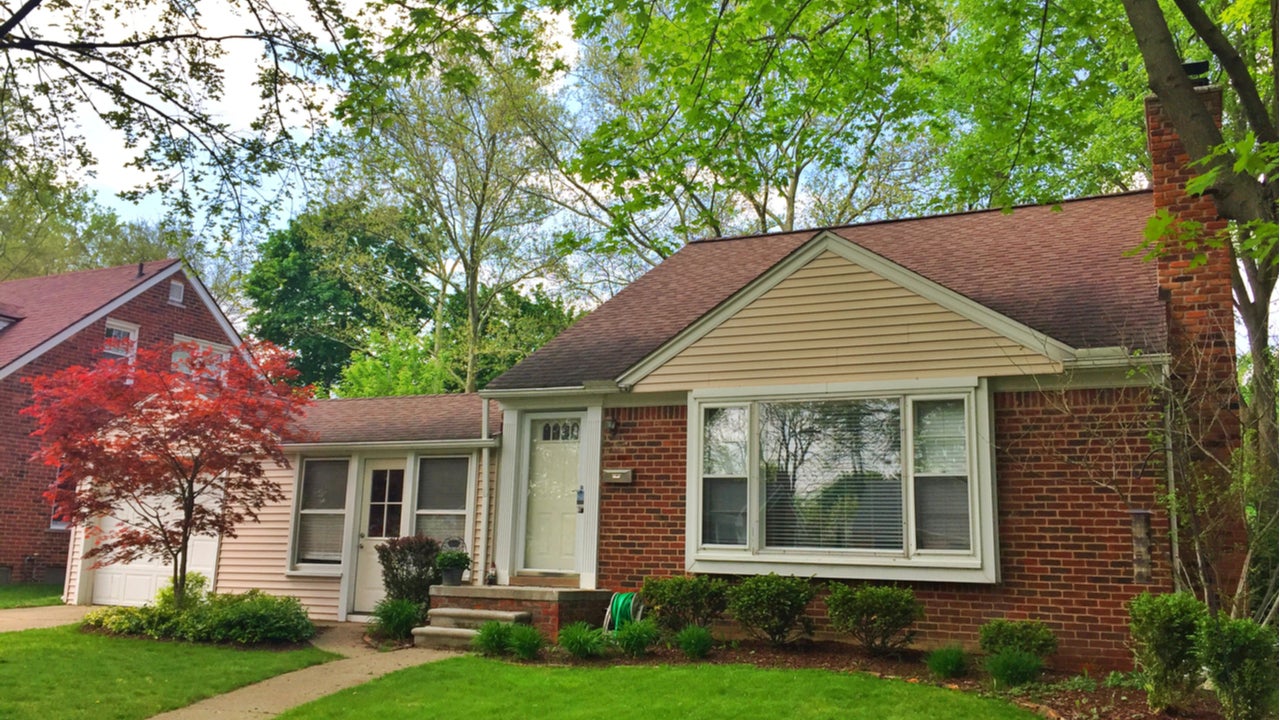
{"type": "Point", "coordinates": [451, 576]}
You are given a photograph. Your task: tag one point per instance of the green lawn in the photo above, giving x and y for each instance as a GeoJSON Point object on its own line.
{"type": "Point", "coordinates": [467, 688]}
{"type": "Point", "coordinates": [30, 595]}
{"type": "Point", "coordinates": [63, 673]}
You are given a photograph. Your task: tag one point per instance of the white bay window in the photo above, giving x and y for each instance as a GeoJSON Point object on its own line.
{"type": "Point", "coordinates": [863, 482]}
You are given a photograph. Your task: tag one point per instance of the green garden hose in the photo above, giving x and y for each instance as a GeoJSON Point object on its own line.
{"type": "Point", "coordinates": [624, 607]}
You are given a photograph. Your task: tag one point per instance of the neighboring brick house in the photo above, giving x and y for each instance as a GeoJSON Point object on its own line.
{"type": "Point", "coordinates": [50, 323]}
{"type": "Point", "coordinates": [964, 404]}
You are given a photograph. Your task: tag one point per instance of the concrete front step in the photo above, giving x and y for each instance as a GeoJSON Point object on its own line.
{"type": "Point", "coordinates": [473, 619]}
{"type": "Point", "coordinates": [441, 638]}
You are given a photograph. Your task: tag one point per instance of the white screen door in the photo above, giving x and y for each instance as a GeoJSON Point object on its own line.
{"type": "Point", "coordinates": [551, 494]}
{"type": "Point", "coordinates": [381, 509]}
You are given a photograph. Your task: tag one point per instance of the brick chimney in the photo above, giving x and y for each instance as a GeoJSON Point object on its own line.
{"type": "Point", "coordinates": [1200, 322]}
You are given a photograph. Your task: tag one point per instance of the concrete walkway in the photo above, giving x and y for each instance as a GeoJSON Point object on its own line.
{"type": "Point", "coordinates": [273, 696]}
{"type": "Point", "coordinates": [359, 664]}
{"type": "Point", "coordinates": [14, 619]}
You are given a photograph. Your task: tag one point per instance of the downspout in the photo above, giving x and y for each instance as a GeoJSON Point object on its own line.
{"type": "Point", "coordinates": [1176, 560]}
{"type": "Point", "coordinates": [482, 569]}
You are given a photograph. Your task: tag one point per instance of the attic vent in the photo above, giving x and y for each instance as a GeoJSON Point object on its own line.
{"type": "Point", "coordinates": [176, 292]}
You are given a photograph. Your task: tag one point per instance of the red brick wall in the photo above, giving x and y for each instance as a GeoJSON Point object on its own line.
{"type": "Point", "coordinates": [1066, 545]}
{"type": "Point", "coordinates": [24, 513]}
{"type": "Point", "coordinates": [1201, 327]}
{"type": "Point", "coordinates": [642, 524]}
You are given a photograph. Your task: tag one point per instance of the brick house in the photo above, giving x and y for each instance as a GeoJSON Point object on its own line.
{"type": "Point", "coordinates": [963, 404]}
{"type": "Point", "coordinates": [50, 323]}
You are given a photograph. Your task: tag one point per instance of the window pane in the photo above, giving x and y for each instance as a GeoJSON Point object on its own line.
{"type": "Point", "coordinates": [832, 474]}
{"type": "Point", "coordinates": [395, 486]}
{"type": "Point", "coordinates": [378, 492]}
{"type": "Point", "coordinates": [442, 483]}
{"type": "Point", "coordinates": [320, 538]}
{"type": "Point", "coordinates": [324, 485]}
{"type": "Point", "coordinates": [940, 438]}
{"type": "Point", "coordinates": [942, 513]}
{"type": "Point", "coordinates": [724, 441]}
{"type": "Point", "coordinates": [376, 520]}
{"type": "Point", "coordinates": [724, 511]}
{"type": "Point", "coordinates": [392, 528]}
{"type": "Point", "coordinates": [441, 527]}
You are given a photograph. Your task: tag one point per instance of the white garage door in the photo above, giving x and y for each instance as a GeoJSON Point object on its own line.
{"type": "Point", "coordinates": [136, 583]}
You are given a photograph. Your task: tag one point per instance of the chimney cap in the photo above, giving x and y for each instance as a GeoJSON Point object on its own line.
{"type": "Point", "coordinates": [1195, 69]}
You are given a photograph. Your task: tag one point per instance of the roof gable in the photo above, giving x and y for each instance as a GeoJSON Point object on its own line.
{"type": "Point", "coordinates": [54, 307]}
{"type": "Point", "coordinates": [835, 311]}
{"type": "Point", "coordinates": [1060, 271]}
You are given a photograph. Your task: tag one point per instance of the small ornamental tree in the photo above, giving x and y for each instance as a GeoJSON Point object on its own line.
{"type": "Point", "coordinates": [171, 443]}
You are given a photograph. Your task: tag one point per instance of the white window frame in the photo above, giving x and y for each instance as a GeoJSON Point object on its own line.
{"type": "Point", "coordinates": [295, 568]}
{"type": "Point", "coordinates": [177, 292]}
{"type": "Point", "coordinates": [978, 564]}
{"type": "Point", "coordinates": [130, 329]}
{"type": "Point", "coordinates": [467, 512]}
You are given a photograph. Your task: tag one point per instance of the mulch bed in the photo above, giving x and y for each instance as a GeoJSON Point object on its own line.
{"type": "Point", "coordinates": [1057, 696]}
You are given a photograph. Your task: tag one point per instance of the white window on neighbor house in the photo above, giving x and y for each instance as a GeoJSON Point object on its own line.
{"type": "Point", "coordinates": [441, 511]}
{"type": "Point", "coordinates": [120, 340]}
{"type": "Point", "coordinates": [180, 356]}
{"type": "Point", "coordinates": [838, 484]}
{"type": "Point", "coordinates": [177, 291]}
{"type": "Point", "coordinates": [321, 512]}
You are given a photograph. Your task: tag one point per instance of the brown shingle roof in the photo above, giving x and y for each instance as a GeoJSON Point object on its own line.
{"type": "Point", "coordinates": [413, 418]}
{"type": "Point", "coordinates": [48, 305]}
{"type": "Point", "coordinates": [1062, 271]}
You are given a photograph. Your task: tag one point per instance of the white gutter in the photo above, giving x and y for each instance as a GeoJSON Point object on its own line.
{"type": "Point", "coordinates": [394, 445]}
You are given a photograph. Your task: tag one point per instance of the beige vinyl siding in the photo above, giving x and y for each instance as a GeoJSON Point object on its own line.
{"type": "Point", "coordinates": [833, 321]}
{"type": "Point", "coordinates": [259, 554]}
{"type": "Point", "coordinates": [477, 537]}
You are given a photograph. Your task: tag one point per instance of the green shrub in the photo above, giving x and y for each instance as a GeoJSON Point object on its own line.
{"type": "Point", "coordinates": [1011, 667]}
{"type": "Point", "coordinates": [948, 662]}
{"type": "Point", "coordinates": [878, 617]}
{"type": "Point", "coordinates": [773, 607]}
{"type": "Point", "coordinates": [1030, 636]}
{"type": "Point", "coordinates": [635, 638]}
{"type": "Point", "coordinates": [685, 600]}
{"type": "Point", "coordinates": [249, 619]}
{"type": "Point", "coordinates": [395, 618]}
{"type": "Point", "coordinates": [147, 621]}
{"type": "Point", "coordinates": [1239, 657]}
{"type": "Point", "coordinates": [695, 641]}
{"type": "Point", "coordinates": [1117, 680]}
{"type": "Point", "coordinates": [525, 642]}
{"type": "Point", "coordinates": [582, 641]}
{"type": "Point", "coordinates": [1163, 628]}
{"type": "Point", "coordinates": [409, 567]}
{"type": "Point", "coordinates": [492, 638]}
{"type": "Point", "coordinates": [195, 593]}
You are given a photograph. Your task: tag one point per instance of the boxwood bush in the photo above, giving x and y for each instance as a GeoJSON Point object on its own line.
{"type": "Point", "coordinates": [1163, 629]}
{"type": "Point", "coordinates": [878, 617]}
{"type": "Point", "coordinates": [1030, 636]}
{"type": "Point", "coordinates": [773, 607]}
{"type": "Point", "coordinates": [685, 600]}
{"type": "Point", "coordinates": [1239, 656]}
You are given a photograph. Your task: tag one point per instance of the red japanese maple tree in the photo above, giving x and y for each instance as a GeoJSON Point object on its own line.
{"type": "Point", "coordinates": [171, 443]}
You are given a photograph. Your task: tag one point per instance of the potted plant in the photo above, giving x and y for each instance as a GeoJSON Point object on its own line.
{"type": "Point", "coordinates": [451, 564]}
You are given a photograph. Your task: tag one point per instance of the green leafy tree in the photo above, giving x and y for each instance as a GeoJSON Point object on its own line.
{"type": "Point", "coordinates": [459, 160]}
{"type": "Point", "coordinates": [302, 302]}
{"type": "Point", "coordinates": [403, 362]}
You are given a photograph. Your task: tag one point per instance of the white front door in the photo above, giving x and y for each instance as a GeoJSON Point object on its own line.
{"type": "Point", "coordinates": [381, 510]}
{"type": "Point", "coordinates": [551, 494]}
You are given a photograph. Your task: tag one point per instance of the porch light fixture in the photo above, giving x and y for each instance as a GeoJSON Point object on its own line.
{"type": "Point", "coordinates": [611, 424]}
